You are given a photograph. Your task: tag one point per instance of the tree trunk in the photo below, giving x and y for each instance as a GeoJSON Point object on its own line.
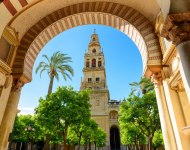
{"type": "Point", "coordinates": [85, 147]}
{"type": "Point", "coordinates": [79, 140]}
{"type": "Point", "coordinates": [150, 143]}
{"type": "Point", "coordinates": [139, 147]}
{"type": "Point", "coordinates": [47, 145]}
{"type": "Point", "coordinates": [50, 84]}
{"type": "Point", "coordinates": [95, 145]}
{"type": "Point", "coordinates": [89, 145]}
{"type": "Point", "coordinates": [69, 147]}
{"type": "Point", "coordinates": [57, 146]}
{"type": "Point", "coordinates": [65, 140]}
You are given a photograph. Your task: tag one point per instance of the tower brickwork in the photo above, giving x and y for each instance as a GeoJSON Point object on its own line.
{"type": "Point", "coordinates": [95, 79]}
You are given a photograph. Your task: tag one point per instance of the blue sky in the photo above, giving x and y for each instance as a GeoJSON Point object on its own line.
{"type": "Point", "coordinates": [122, 60]}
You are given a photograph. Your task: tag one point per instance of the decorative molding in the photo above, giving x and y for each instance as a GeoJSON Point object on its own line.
{"type": "Point", "coordinates": [176, 82]}
{"type": "Point", "coordinates": [165, 72]}
{"type": "Point", "coordinates": [180, 85]}
{"type": "Point", "coordinates": [93, 69]}
{"type": "Point", "coordinates": [11, 35]}
{"type": "Point", "coordinates": [176, 76]}
{"type": "Point", "coordinates": [159, 23]}
{"type": "Point", "coordinates": [169, 54]}
{"type": "Point", "coordinates": [4, 68]}
{"type": "Point", "coordinates": [8, 81]}
{"type": "Point", "coordinates": [186, 130]}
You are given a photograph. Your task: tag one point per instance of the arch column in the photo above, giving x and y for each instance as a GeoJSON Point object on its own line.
{"type": "Point", "coordinates": [176, 28]}
{"type": "Point", "coordinates": [177, 116]}
{"type": "Point", "coordinates": [184, 66]}
{"type": "Point", "coordinates": [5, 87]}
{"type": "Point", "coordinates": [9, 43]}
{"type": "Point", "coordinates": [10, 113]}
{"type": "Point", "coordinates": [165, 121]}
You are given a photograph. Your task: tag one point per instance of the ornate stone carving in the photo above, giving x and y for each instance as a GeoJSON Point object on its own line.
{"type": "Point", "coordinates": [11, 35]}
{"type": "Point", "coordinates": [5, 81]}
{"type": "Point", "coordinates": [176, 28]}
{"type": "Point", "coordinates": [157, 78]}
{"type": "Point", "coordinates": [176, 82]}
{"type": "Point", "coordinates": [4, 68]}
{"type": "Point", "coordinates": [8, 81]}
{"type": "Point", "coordinates": [2, 79]}
{"type": "Point", "coordinates": [17, 85]}
{"type": "Point", "coordinates": [180, 86]}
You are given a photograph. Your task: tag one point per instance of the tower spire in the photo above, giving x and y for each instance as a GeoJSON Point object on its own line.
{"type": "Point", "coordinates": [94, 31]}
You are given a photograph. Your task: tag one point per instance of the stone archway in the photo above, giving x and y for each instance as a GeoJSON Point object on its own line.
{"type": "Point", "coordinates": [119, 16]}
{"type": "Point", "coordinates": [26, 27]}
{"type": "Point", "coordinates": [123, 18]}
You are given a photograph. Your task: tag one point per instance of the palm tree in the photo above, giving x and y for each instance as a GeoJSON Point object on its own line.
{"type": "Point", "coordinates": [145, 85]}
{"type": "Point", "coordinates": [58, 63]}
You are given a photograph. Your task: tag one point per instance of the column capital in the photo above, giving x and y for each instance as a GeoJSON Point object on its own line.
{"type": "Point", "coordinates": [17, 85]}
{"type": "Point", "coordinates": [176, 28]}
{"type": "Point", "coordinates": [18, 82]}
{"type": "Point", "coordinates": [156, 78]}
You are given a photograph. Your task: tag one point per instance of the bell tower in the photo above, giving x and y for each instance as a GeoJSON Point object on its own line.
{"type": "Point", "coordinates": [95, 79]}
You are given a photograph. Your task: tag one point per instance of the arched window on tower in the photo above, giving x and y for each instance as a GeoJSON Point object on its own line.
{"type": "Point", "coordinates": [87, 64]}
{"type": "Point", "coordinates": [94, 50]}
{"type": "Point", "coordinates": [99, 64]}
{"type": "Point", "coordinates": [93, 62]}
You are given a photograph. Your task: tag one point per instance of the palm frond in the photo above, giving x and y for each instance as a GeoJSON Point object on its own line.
{"type": "Point", "coordinates": [57, 63]}
{"type": "Point", "coordinates": [41, 71]}
{"type": "Point", "coordinates": [67, 68]}
{"type": "Point", "coordinates": [57, 77]}
{"type": "Point", "coordinates": [41, 65]}
{"type": "Point", "coordinates": [65, 75]}
{"type": "Point", "coordinates": [46, 57]}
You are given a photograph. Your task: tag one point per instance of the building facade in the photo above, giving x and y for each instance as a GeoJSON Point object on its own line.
{"type": "Point", "coordinates": [103, 111]}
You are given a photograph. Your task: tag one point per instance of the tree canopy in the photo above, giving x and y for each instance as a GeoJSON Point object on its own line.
{"type": "Point", "coordinates": [62, 109]}
{"type": "Point", "coordinates": [139, 117]}
{"type": "Point", "coordinates": [26, 128]}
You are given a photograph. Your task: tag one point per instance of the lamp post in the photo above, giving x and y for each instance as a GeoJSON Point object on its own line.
{"type": "Point", "coordinates": [29, 129]}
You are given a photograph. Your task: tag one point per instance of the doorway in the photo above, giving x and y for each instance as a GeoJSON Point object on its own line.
{"type": "Point", "coordinates": [114, 138]}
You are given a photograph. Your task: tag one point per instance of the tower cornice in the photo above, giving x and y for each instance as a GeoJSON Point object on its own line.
{"type": "Point", "coordinates": [93, 44]}
{"type": "Point", "coordinates": [93, 69]}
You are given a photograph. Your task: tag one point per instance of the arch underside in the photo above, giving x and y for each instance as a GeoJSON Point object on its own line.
{"type": "Point", "coordinates": [121, 17]}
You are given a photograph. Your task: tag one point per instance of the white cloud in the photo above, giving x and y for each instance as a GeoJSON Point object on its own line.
{"type": "Point", "coordinates": [26, 110]}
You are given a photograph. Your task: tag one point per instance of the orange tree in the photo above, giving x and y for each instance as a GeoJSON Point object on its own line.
{"type": "Point", "coordinates": [142, 114]}
{"type": "Point", "coordinates": [62, 109]}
